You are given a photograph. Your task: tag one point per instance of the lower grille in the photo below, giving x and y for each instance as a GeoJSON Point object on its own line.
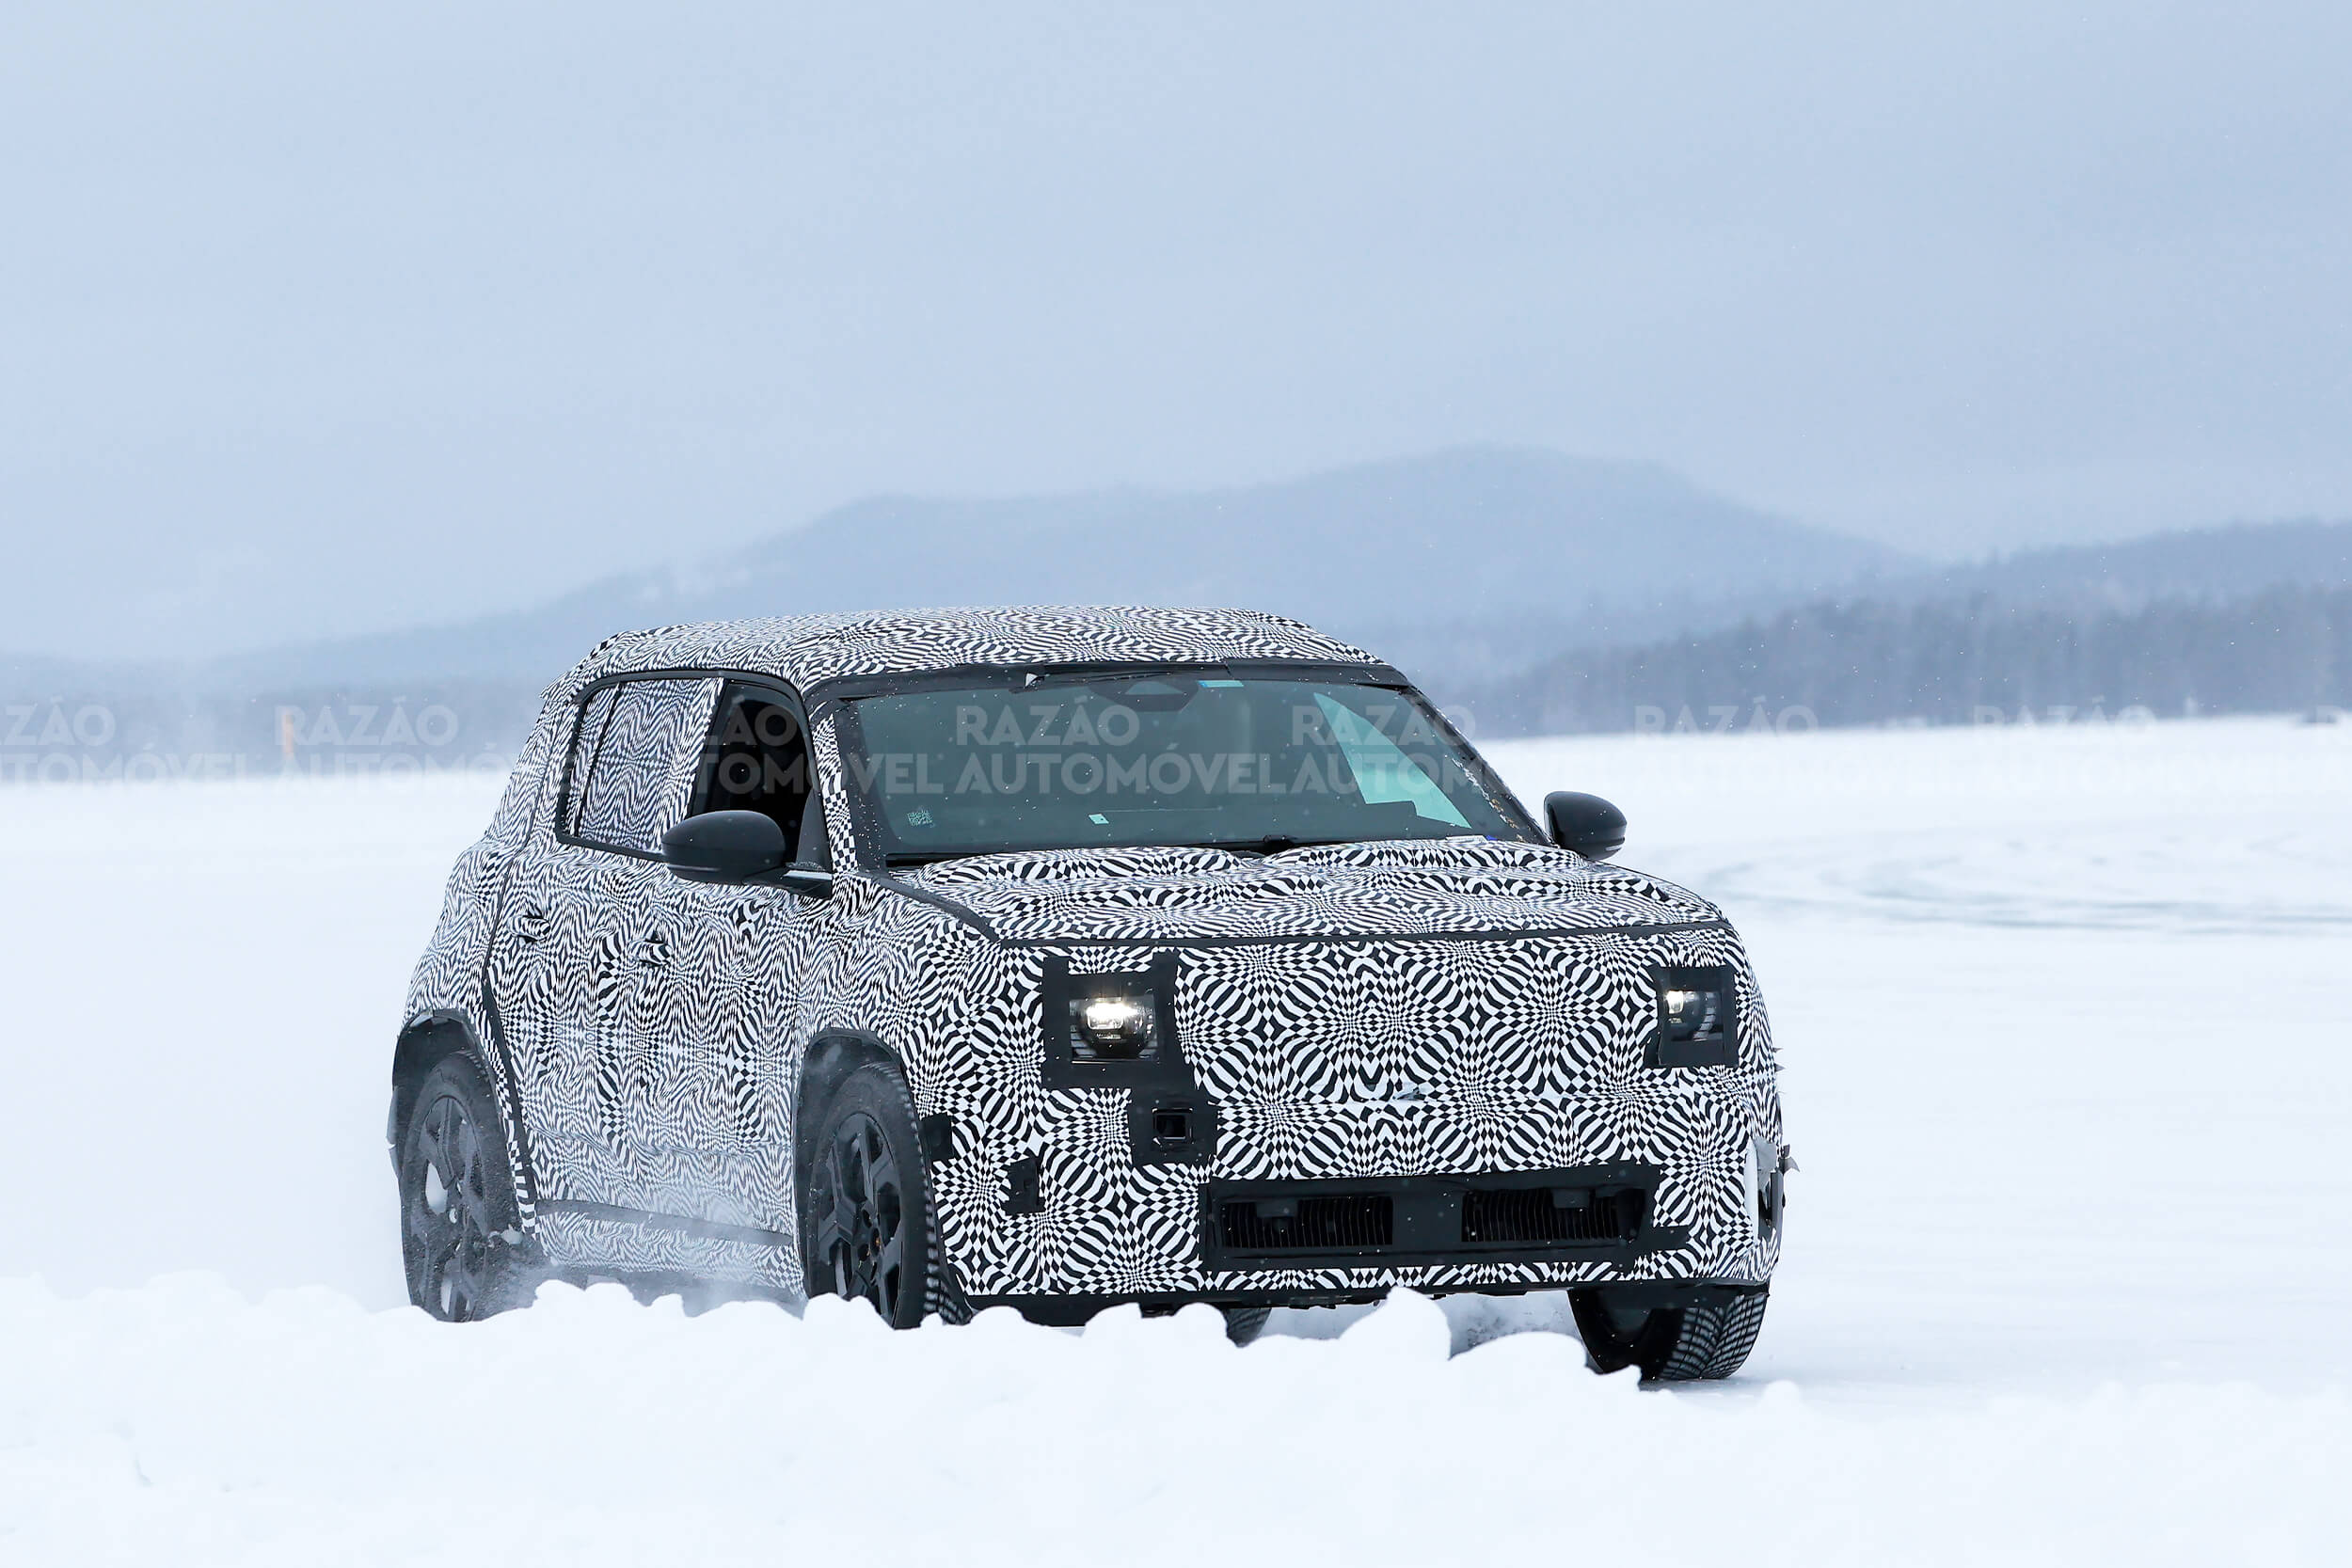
{"type": "Point", "coordinates": [1345, 1221]}
{"type": "Point", "coordinates": [1593, 1211]}
{"type": "Point", "coordinates": [1525, 1214]}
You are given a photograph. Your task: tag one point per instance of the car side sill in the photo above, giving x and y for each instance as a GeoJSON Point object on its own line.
{"type": "Point", "coordinates": [711, 1230]}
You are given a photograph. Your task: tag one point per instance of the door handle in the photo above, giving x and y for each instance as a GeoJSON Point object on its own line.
{"type": "Point", "coordinates": [531, 923]}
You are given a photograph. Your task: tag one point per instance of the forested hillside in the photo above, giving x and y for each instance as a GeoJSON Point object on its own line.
{"type": "Point", "coordinates": [1870, 660]}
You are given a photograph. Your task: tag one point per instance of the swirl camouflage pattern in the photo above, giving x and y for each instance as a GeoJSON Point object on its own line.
{"type": "Point", "coordinates": [1388, 1026]}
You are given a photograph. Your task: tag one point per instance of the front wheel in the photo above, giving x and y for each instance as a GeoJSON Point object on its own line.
{"type": "Point", "coordinates": [866, 1214]}
{"type": "Point", "coordinates": [1245, 1323]}
{"type": "Point", "coordinates": [461, 1236]}
{"type": "Point", "coordinates": [1671, 1344]}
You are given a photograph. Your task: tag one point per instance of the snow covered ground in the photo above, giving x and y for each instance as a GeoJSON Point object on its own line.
{"type": "Point", "coordinates": [2067, 1063]}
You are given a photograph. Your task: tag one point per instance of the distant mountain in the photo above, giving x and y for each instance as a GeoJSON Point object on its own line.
{"type": "Point", "coordinates": [1544, 590]}
{"type": "Point", "coordinates": [1480, 560]}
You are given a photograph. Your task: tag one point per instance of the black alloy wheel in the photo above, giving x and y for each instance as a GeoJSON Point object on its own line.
{"type": "Point", "coordinates": [867, 1218]}
{"type": "Point", "coordinates": [863, 1233]}
{"type": "Point", "coordinates": [461, 1235]}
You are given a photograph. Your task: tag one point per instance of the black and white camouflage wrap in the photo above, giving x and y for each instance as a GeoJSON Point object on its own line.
{"type": "Point", "coordinates": [1426, 1007]}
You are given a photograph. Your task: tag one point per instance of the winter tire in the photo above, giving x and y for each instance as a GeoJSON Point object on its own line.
{"type": "Point", "coordinates": [1670, 1344]}
{"type": "Point", "coordinates": [461, 1234]}
{"type": "Point", "coordinates": [1245, 1323]}
{"type": "Point", "coordinates": [866, 1219]}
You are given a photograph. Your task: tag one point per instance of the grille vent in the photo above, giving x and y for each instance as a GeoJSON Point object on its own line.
{"type": "Point", "coordinates": [1537, 1214]}
{"type": "Point", "coordinates": [1311, 1223]}
{"type": "Point", "coordinates": [1587, 1212]}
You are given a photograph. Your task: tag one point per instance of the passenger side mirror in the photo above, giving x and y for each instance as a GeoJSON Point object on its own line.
{"type": "Point", "coordinates": [723, 847]}
{"type": "Point", "coordinates": [1584, 823]}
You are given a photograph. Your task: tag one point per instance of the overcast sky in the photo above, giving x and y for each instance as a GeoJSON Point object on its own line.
{"type": "Point", "coordinates": [319, 318]}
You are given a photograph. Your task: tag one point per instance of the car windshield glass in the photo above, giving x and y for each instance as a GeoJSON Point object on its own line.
{"type": "Point", "coordinates": [1178, 758]}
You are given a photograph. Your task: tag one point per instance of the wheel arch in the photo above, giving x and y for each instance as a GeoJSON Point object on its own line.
{"type": "Point", "coordinates": [828, 1059]}
{"type": "Point", "coordinates": [431, 1038]}
{"type": "Point", "coordinates": [425, 1041]}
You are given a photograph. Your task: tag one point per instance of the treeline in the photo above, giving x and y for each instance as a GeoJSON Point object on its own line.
{"type": "Point", "coordinates": [1866, 661]}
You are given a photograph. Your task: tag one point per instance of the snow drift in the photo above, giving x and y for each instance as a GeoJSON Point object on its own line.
{"type": "Point", "coordinates": [180, 1423]}
{"type": "Point", "coordinates": [2060, 1020]}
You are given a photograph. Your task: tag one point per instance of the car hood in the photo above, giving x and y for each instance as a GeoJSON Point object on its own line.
{"type": "Point", "coordinates": [1406, 887]}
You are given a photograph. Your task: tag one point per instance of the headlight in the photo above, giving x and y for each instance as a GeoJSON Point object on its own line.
{"type": "Point", "coordinates": [1110, 1029]}
{"type": "Point", "coordinates": [1114, 1027]}
{"type": "Point", "coordinates": [1698, 1022]}
{"type": "Point", "coordinates": [1694, 1014]}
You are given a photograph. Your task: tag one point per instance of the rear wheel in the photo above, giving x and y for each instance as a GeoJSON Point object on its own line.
{"type": "Point", "coordinates": [1670, 1344]}
{"type": "Point", "coordinates": [461, 1232]}
{"type": "Point", "coordinates": [865, 1215]}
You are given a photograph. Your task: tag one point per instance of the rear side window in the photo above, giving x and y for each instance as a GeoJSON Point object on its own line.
{"type": "Point", "coordinates": [594, 719]}
{"type": "Point", "coordinates": [634, 757]}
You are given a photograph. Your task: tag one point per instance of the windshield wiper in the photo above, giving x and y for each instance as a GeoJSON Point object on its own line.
{"type": "Point", "coordinates": [1271, 844]}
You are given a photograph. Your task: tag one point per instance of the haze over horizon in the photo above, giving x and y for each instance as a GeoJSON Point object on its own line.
{"type": "Point", "coordinates": [325, 323]}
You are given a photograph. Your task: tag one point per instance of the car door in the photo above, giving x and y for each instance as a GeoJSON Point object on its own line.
{"type": "Point", "coordinates": [577, 930]}
{"type": "Point", "coordinates": [716, 988]}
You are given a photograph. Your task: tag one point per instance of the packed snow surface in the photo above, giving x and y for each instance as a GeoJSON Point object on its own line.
{"type": "Point", "coordinates": [2061, 1017]}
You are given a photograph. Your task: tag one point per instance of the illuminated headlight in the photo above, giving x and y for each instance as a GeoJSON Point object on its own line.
{"type": "Point", "coordinates": [1111, 1028]}
{"type": "Point", "coordinates": [1118, 1027]}
{"type": "Point", "coordinates": [1694, 1014]}
{"type": "Point", "coordinates": [1698, 1024]}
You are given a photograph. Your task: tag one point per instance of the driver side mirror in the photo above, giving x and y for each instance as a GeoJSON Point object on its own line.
{"type": "Point", "coordinates": [1584, 823]}
{"type": "Point", "coordinates": [723, 847]}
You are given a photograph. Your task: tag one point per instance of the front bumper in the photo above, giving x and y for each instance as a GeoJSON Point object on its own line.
{"type": "Point", "coordinates": [1421, 1071]}
{"type": "Point", "coordinates": [1330, 1242]}
{"type": "Point", "coordinates": [1074, 1312]}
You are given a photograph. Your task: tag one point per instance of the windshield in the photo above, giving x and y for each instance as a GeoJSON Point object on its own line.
{"type": "Point", "coordinates": [1163, 759]}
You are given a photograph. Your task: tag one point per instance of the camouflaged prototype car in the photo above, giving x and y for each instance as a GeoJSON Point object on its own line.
{"type": "Point", "coordinates": [1070, 957]}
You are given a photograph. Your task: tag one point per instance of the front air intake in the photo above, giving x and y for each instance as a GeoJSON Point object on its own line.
{"type": "Point", "coordinates": [1340, 1222]}
{"type": "Point", "coordinates": [1537, 1214]}
{"type": "Point", "coordinates": [1598, 1212]}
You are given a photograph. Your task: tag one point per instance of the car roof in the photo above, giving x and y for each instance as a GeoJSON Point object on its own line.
{"type": "Point", "coordinates": [806, 649]}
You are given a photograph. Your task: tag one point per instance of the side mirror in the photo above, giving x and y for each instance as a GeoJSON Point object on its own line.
{"type": "Point", "coordinates": [723, 847]}
{"type": "Point", "coordinates": [809, 881]}
{"type": "Point", "coordinates": [1584, 823]}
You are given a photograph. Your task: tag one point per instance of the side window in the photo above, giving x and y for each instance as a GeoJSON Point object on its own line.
{"type": "Point", "coordinates": [594, 720]}
{"type": "Point", "coordinates": [756, 758]}
{"type": "Point", "coordinates": [634, 760]}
